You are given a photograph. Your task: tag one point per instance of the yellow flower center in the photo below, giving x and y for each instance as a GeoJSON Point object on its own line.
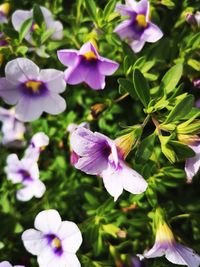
{"type": "Point", "coordinates": [90, 55]}
{"type": "Point", "coordinates": [35, 26]}
{"type": "Point", "coordinates": [141, 20]}
{"type": "Point", "coordinates": [56, 243]}
{"type": "Point", "coordinates": [164, 233]}
{"type": "Point", "coordinates": [34, 85]}
{"type": "Point", "coordinates": [5, 8]}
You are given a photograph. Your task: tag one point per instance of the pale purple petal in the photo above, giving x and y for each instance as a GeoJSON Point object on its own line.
{"type": "Point", "coordinates": [124, 10]}
{"type": "Point", "coordinates": [8, 92]}
{"type": "Point", "coordinates": [156, 251]}
{"type": "Point", "coordinates": [95, 79]}
{"type": "Point", "coordinates": [33, 241]}
{"type": "Point", "coordinates": [75, 75]}
{"type": "Point", "coordinates": [152, 33]}
{"type": "Point", "coordinates": [54, 80]}
{"type": "Point", "coordinates": [87, 47]}
{"type": "Point", "coordinates": [192, 165]}
{"type": "Point", "coordinates": [18, 18]}
{"type": "Point", "coordinates": [107, 66]}
{"type": "Point", "coordinates": [58, 30]}
{"type": "Point", "coordinates": [70, 235]}
{"type": "Point", "coordinates": [125, 30]}
{"type": "Point", "coordinates": [141, 7]}
{"type": "Point", "coordinates": [40, 139]}
{"type": "Point", "coordinates": [28, 110]}
{"type": "Point", "coordinates": [54, 104]}
{"type": "Point", "coordinates": [48, 221]}
{"type": "Point", "coordinates": [68, 57]}
{"type": "Point", "coordinates": [20, 70]}
{"type": "Point", "coordinates": [46, 13]}
{"type": "Point", "coordinates": [137, 45]}
{"type": "Point", "coordinates": [5, 264]}
{"type": "Point", "coordinates": [46, 257]}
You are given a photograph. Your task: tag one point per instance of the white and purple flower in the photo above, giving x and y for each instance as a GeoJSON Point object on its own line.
{"type": "Point", "coordinates": [55, 242]}
{"type": "Point", "coordinates": [20, 16]}
{"type": "Point", "coordinates": [98, 155]}
{"type": "Point", "coordinates": [174, 252]}
{"type": "Point", "coordinates": [138, 29]}
{"type": "Point", "coordinates": [32, 90]}
{"type": "Point", "coordinates": [37, 144]}
{"type": "Point", "coordinates": [192, 165]}
{"type": "Point", "coordinates": [4, 10]}
{"type": "Point", "coordinates": [86, 65]}
{"type": "Point", "coordinates": [26, 173]}
{"type": "Point", "coordinates": [7, 264]}
{"type": "Point", "coordinates": [12, 129]}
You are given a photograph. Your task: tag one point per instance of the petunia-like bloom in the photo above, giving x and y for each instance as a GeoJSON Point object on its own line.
{"type": "Point", "coordinates": [174, 252]}
{"type": "Point", "coordinates": [99, 155]}
{"type": "Point", "coordinates": [26, 173]}
{"type": "Point", "coordinates": [137, 29]}
{"type": "Point", "coordinates": [37, 144]}
{"type": "Point", "coordinates": [4, 10]}
{"type": "Point", "coordinates": [55, 242]}
{"type": "Point", "coordinates": [32, 90]}
{"type": "Point", "coordinates": [20, 16]}
{"type": "Point", "coordinates": [192, 165]}
{"type": "Point", "coordinates": [7, 264]}
{"type": "Point", "coordinates": [12, 129]}
{"type": "Point", "coordinates": [86, 65]}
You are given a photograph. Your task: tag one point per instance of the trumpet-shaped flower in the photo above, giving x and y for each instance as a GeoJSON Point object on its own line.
{"type": "Point", "coordinates": [138, 29]}
{"type": "Point", "coordinates": [7, 264]}
{"type": "Point", "coordinates": [192, 165]}
{"type": "Point", "coordinates": [99, 155]}
{"type": "Point", "coordinates": [55, 242]}
{"type": "Point", "coordinates": [86, 65]}
{"type": "Point", "coordinates": [4, 10]}
{"type": "Point", "coordinates": [32, 90]}
{"type": "Point", "coordinates": [20, 16]}
{"type": "Point", "coordinates": [26, 173]}
{"type": "Point", "coordinates": [38, 142]}
{"type": "Point", "coordinates": [174, 252]}
{"type": "Point", "coordinates": [13, 130]}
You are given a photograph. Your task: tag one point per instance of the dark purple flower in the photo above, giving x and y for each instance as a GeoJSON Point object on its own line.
{"type": "Point", "coordinates": [99, 155]}
{"type": "Point", "coordinates": [86, 65]}
{"type": "Point", "coordinates": [138, 29]}
{"type": "Point", "coordinates": [32, 90]}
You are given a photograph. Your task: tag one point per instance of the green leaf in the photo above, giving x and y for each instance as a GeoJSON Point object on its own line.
{"type": "Point", "coordinates": [38, 15]}
{"type": "Point", "coordinates": [109, 8]}
{"type": "Point", "coordinates": [181, 109]}
{"type": "Point", "coordinates": [146, 148]}
{"type": "Point", "coordinates": [141, 87]}
{"type": "Point", "coordinates": [171, 78]}
{"type": "Point", "coordinates": [151, 196]}
{"type": "Point", "coordinates": [46, 35]}
{"type": "Point", "coordinates": [182, 151]}
{"type": "Point", "coordinates": [25, 28]}
{"type": "Point", "coordinates": [127, 86]}
{"type": "Point", "coordinates": [91, 9]}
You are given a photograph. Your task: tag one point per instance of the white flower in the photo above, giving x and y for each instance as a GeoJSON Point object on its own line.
{"type": "Point", "coordinates": [25, 172]}
{"type": "Point", "coordinates": [55, 242]}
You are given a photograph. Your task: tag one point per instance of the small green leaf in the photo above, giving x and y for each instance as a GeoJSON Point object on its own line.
{"type": "Point", "coordinates": [171, 78]}
{"type": "Point", "coordinates": [127, 86]}
{"type": "Point", "coordinates": [109, 8]}
{"type": "Point", "coordinates": [182, 151]}
{"type": "Point", "coordinates": [181, 109]}
{"type": "Point", "coordinates": [38, 15]}
{"type": "Point", "coordinates": [25, 28]}
{"type": "Point", "coordinates": [141, 87]}
{"type": "Point", "coordinates": [146, 148]}
{"type": "Point", "coordinates": [91, 8]}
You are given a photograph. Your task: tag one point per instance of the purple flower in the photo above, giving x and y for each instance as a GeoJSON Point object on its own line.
{"type": "Point", "coordinates": [38, 143]}
{"type": "Point", "coordinates": [174, 252]}
{"type": "Point", "coordinates": [13, 130]}
{"type": "Point", "coordinates": [136, 262]}
{"type": "Point", "coordinates": [55, 242]}
{"type": "Point", "coordinates": [4, 10]}
{"type": "Point", "coordinates": [192, 165]}
{"type": "Point", "coordinates": [32, 90]}
{"type": "Point", "coordinates": [98, 155]}
{"type": "Point", "coordinates": [196, 83]}
{"type": "Point", "coordinates": [86, 65]}
{"type": "Point", "coordinates": [26, 173]}
{"type": "Point", "coordinates": [20, 16]}
{"type": "Point", "coordinates": [7, 264]}
{"type": "Point", "coordinates": [137, 29]}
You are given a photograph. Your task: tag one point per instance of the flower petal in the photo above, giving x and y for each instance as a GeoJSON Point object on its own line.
{"type": "Point", "coordinates": [137, 45]}
{"type": "Point", "coordinates": [107, 66]}
{"type": "Point", "coordinates": [54, 80]}
{"type": "Point", "coordinates": [48, 221]}
{"type": "Point", "coordinates": [141, 7]}
{"type": "Point", "coordinates": [20, 70]}
{"type": "Point", "coordinates": [54, 104]}
{"type": "Point", "coordinates": [40, 139]}
{"type": "Point", "coordinates": [34, 241]}
{"type": "Point", "coordinates": [95, 79]}
{"type": "Point", "coordinates": [58, 30]}
{"type": "Point", "coordinates": [68, 57]}
{"type": "Point", "coordinates": [156, 251]}
{"type": "Point", "coordinates": [192, 165]}
{"type": "Point", "coordinates": [152, 34]}
{"type": "Point", "coordinates": [70, 235]}
{"type": "Point", "coordinates": [9, 92]}
{"type": "Point", "coordinates": [18, 18]}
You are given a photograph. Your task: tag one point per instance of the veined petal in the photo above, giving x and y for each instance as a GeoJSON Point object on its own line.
{"type": "Point", "coordinates": [68, 57]}
{"type": "Point", "coordinates": [107, 66]}
{"type": "Point", "coordinates": [137, 45]}
{"type": "Point", "coordinates": [54, 80]}
{"type": "Point", "coordinates": [33, 241]}
{"type": "Point", "coordinates": [18, 18]}
{"type": "Point", "coordinates": [8, 92]}
{"type": "Point", "coordinates": [156, 251]}
{"type": "Point", "coordinates": [54, 104]}
{"type": "Point", "coordinates": [48, 221]}
{"type": "Point", "coordinates": [95, 79]}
